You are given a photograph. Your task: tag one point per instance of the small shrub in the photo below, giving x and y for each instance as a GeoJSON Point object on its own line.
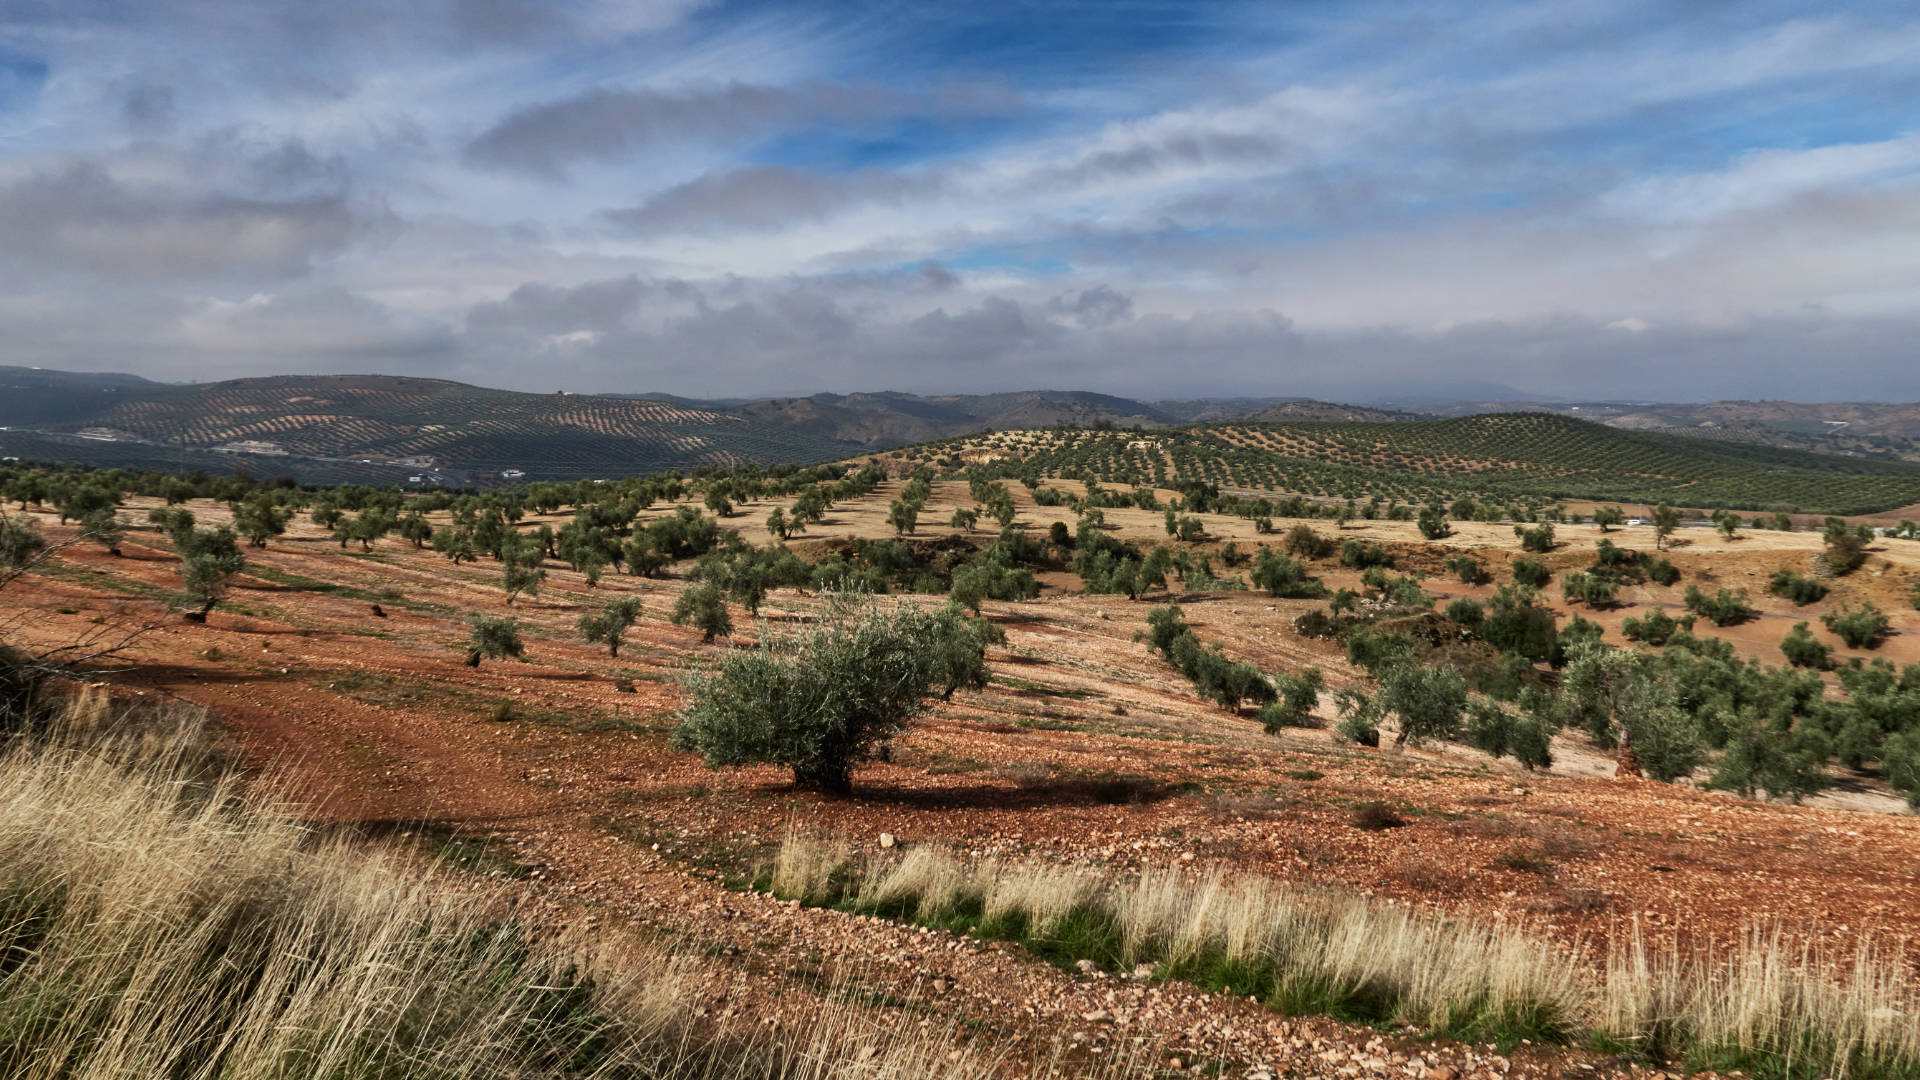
{"type": "Point", "coordinates": [1802, 649]}
{"type": "Point", "coordinates": [1655, 627]}
{"type": "Point", "coordinates": [704, 607]}
{"type": "Point", "coordinates": [1539, 538]}
{"type": "Point", "coordinates": [1466, 611]}
{"type": "Point", "coordinates": [1466, 568]}
{"type": "Point", "coordinates": [1531, 572]}
{"type": "Point", "coordinates": [1725, 607]}
{"type": "Point", "coordinates": [1797, 587]}
{"type": "Point", "coordinates": [609, 625]}
{"type": "Point", "coordinates": [1303, 543]}
{"type": "Point", "coordinates": [494, 639]}
{"type": "Point", "coordinates": [1595, 590]}
{"type": "Point", "coordinates": [1284, 577]}
{"type": "Point", "coordinates": [1428, 701]}
{"type": "Point", "coordinates": [1498, 732]}
{"type": "Point", "coordinates": [1374, 648]}
{"type": "Point", "coordinates": [1361, 554]}
{"type": "Point", "coordinates": [1359, 716]}
{"type": "Point", "coordinates": [1660, 570]}
{"type": "Point", "coordinates": [1846, 546]}
{"type": "Point", "coordinates": [1860, 628]}
{"type": "Point", "coordinates": [1299, 694]}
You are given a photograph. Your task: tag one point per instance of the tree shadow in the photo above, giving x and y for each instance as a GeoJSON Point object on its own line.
{"type": "Point", "coordinates": [1038, 794]}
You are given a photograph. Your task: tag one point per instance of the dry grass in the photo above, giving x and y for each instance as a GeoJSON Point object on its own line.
{"type": "Point", "coordinates": [1302, 951]}
{"type": "Point", "coordinates": [1772, 1003]}
{"type": "Point", "coordinates": [1789, 1004]}
{"type": "Point", "coordinates": [157, 918]}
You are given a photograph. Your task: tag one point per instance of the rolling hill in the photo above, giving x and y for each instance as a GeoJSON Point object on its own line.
{"type": "Point", "coordinates": [314, 426]}
{"type": "Point", "coordinates": [467, 433]}
{"type": "Point", "coordinates": [1501, 455]}
{"type": "Point", "coordinates": [376, 428]}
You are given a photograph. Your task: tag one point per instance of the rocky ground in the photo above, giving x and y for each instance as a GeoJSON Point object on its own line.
{"type": "Point", "coordinates": [1086, 748]}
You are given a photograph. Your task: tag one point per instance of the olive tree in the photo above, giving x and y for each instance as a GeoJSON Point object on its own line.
{"type": "Point", "coordinates": [494, 639]}
{"type": "Point", "coordinates": [104, 527]}
{"type": "Point", "coordinates": [19, 541]}
{"type": "Point", "coordinates": [703, 607]}
{"type": "Point", "coordinates": [1428, 700]}
{"type": "Point", "coordinates": [609, 625]}
{"type": "Point", "coordinates": [209, 559]}
{"type": "Point", "coordinates": [826, 698]}
{"type": "Point", "coordinates": [1666, 519]}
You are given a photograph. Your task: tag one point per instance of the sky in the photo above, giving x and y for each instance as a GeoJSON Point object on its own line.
{"type": "Point", "coordinates": [1361, 201]}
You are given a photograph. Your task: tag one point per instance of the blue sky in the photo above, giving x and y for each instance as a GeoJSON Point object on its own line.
{"type": "Point", "coordinates": [1621, 200]}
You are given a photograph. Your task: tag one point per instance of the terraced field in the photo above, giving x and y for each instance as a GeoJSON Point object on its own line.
{"type": "Point", "coordinates": [458, 427]}
{"type": "Point", "coordinates": [1503, 455]}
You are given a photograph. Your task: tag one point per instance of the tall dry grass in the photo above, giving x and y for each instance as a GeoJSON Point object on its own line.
{"type": "Point", "coordinates": [1770, 1003]}
{"type": "Point", "coordinates": [160, 919]}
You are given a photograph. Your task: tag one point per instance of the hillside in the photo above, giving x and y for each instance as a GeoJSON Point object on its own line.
{"type": "Point", "coordinates": [467, 433]}
{"type": "Point", "coordinates": [1860, 429]}
{"type": "Point", "coordinates": [1081, 767]}
{"type": "Point", "coordinates": [1507, 455]}
{"type": "Point", "coordinates": [312, 425]}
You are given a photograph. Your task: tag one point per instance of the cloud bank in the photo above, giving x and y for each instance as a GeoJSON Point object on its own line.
{"type": "Point", "coordinates": [1619, 201]}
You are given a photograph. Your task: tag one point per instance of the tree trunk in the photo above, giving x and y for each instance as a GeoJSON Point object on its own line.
{"type": "Point", "coordinates": [1629, 766]}
{"type": "Point", "coordinates": [831, 781]}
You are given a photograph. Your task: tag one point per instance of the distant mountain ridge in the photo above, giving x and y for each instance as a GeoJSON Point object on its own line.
{"type": "Point", "coordinates": [330, 426]}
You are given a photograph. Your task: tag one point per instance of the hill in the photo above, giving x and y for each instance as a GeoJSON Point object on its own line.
{"type": "Point", "coordinates": [467, 433]}
{"type": "Point", "coordinates": [314, 426]}
{"type": "Point", "coordinates": [1503, 455]}
{"type": "Point", "coordinates": [1853, 428]}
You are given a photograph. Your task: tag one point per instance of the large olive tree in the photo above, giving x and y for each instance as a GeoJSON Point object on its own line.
{"type": "Point", "coordinates": [821, 700]}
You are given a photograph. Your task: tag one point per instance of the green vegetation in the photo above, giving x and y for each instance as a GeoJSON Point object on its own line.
{"type": "Point", "coordinates": [1804, 650]}
{"type": "Point", "coordinates": [609, 625]}
{"type": "Point", "coordinates": [1228, 683]}
{"type": "Point", "coordinates": [1284, 577]}
{"type": "Point", "coordinates": [1724, 607]}
{"type": "Point", "coordinates": [1846, 545]}
{"type": "Point", "coordinates": [703, 607]}
{"type": "Point", "coordinates": [1797, 587]}
{"type": "Point", "coordinates": [209, 559]}
{"type": "Point", "coordinates": [824, 699]}
{"type": "Point", "coordinates": [1595, 590]}
{"type": "Point", "coordinates": [549, 437]}
{"type": "Point", "coordinates": [20, 541]}
{"type": "Point", "coordinates": [1299, 695]}
{"type": "Point", "coordinates": [1538, 538]}
{"type": "Point", "coordinates": [1284, 948]}
{"type": "Point", "coordinates": [1499, 457]}
{"type": "Point", "coordinates": [493, 639]}
{"type": "Point", "coordinates": [1655, 627]}
{"type": "Point", "coordinates": [1860, 628]}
